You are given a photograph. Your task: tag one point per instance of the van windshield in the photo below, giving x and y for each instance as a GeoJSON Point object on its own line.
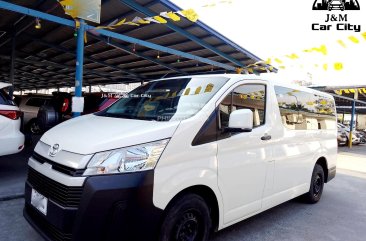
{"type": "Point", "coordinates": [166, 100]}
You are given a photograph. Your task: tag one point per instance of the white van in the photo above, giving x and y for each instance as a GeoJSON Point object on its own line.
{"type": "Point", "coordinates": [178, 158]}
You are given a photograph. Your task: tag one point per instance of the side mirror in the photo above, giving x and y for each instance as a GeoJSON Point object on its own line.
{"type": "Point", "coordinates": [240, 121]}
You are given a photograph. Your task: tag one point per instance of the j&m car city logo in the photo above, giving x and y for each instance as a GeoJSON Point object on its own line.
{"type": "Point", "coordinates": [336, 21]}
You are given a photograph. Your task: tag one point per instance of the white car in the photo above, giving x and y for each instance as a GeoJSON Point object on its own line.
{"type": "Point", "coordinates": [355, 137]}
{"type": "Point", "coordinates": [11, 139]}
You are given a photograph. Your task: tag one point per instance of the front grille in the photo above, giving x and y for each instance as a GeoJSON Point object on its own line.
{"type": "Point", "coordinates": [58, 167]}
{"type": "Point", "coordinates": [50, 230]}
{"type": "Point", "coordinates": [55, 191]}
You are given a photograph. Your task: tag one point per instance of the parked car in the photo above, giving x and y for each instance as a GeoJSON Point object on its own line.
{"type": "Point", "coordinates": [355, 134]}
{"type": "Point", "coordinates": [11, 139]}
{"type": "Point", "coordinates": [29, 105]}
{"type": "Point", "coordinates": [181, 157]}
{"type": "Point", "coordinates": [362, 137]}
{"type": "Point", "coordinates": [342, 138]}
{"type": "Point", "coordinates": [58, 109]}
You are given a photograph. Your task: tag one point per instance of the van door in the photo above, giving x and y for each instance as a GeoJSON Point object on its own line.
{"type": "Point", "coordinates": [243, 157]}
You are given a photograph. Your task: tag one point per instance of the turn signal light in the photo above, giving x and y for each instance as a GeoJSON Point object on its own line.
{"type": "Point", "coordinates": [11, 114]}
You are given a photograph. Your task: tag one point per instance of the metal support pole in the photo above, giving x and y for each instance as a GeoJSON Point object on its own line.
{"type": "Point", "coordinates": [79, 62]}
{"type": "Point", "coordinates": [351, 124]}
{"type": "Point", "coordinates": [12, 65]}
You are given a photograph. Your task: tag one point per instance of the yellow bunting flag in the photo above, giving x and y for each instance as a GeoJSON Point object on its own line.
{"type": "Point", "coordinates": [209, 5]}
{"type": "Point", "coordinates": [131, 23]}
{"type": "Point", "coordinates": [340, 42]}
{"type": "Point", "coordinates": [364, 35]}
{"type": "Point", "coordinates": [160, 19]}
{"type": "Point", "coordinates": [338, 66]}
{"type": "Point", "coordinates": [190, 14]}
{"type": "Point", "coordinates": [292, 56]}
{"type": "Point", "coordinates": [239, 70]}
{"type": "Point", "coordinates": [325, 67]}
{"type": "Point", "coordinates": [119, 23]}
{"type": "Point", "coordinates": [172, 16]}
{"type": "Point", "coordinates": [140, 20]}
{"type": "Point", "coordinates": [323, 50]}
{"type": "Point", "coordinates": [278, 60]}
{"type": "Point", "coordinates": [353, 39]}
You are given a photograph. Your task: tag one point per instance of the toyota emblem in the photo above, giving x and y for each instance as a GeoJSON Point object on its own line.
{"type": "Point", "coordinates": [54, 150]}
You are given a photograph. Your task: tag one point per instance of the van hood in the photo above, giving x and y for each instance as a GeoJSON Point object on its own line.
{"type": "Point", "coordinates": [90, 133]}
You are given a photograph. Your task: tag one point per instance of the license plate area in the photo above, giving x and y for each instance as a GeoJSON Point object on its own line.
{"type": "Point", "coordinates": [39, 201]}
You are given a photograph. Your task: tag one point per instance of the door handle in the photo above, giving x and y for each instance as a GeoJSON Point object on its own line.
{"type": "Point", "coordinates": [266, 137]}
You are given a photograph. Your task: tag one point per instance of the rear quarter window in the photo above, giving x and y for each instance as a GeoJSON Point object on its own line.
{"type": "Point", "coordinates": [304, 110]}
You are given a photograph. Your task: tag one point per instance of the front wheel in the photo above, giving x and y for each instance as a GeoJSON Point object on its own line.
{"type": "Point", "coordinates": [188, 219]}
{"type": "Point", "coordinates": [316, 185]}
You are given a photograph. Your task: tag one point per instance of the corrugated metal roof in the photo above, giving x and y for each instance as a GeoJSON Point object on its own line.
{"type": "Point", "coordinates": [45, 57]}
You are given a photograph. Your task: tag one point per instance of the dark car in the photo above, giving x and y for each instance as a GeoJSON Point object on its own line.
{"type": "Point", "coordinates": [59, 108]}
{"type": "Point", "coordinates": [29, 105]}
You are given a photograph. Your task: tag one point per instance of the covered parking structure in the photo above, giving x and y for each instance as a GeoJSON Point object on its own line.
{"type": "Point", "coordinates": [55, 54]}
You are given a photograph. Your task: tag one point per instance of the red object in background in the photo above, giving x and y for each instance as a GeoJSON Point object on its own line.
{"type": "Point", "coordinates": [107, 103]}
{"type": "Point", "coordinates": [96, 102]}
{"type": "Point", "coordinates": [11, 114]}
{"type": "Point", "coordinates": [65, 105]}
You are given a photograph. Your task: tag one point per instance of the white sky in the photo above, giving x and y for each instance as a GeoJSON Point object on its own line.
{"type": "Point", "coordinates": [270, 28]}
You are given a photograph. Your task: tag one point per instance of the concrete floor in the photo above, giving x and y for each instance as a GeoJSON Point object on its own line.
{"type": "Point", "coordinates": [340, 215]}
{"type": "Point", "coordinates": [13, 170]}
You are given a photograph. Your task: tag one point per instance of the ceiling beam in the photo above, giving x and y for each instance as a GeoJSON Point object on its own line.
{"type": "Point", "coordinates": [62, 49]}
{"type": "Point", "coordinates": [137, 53]}
{"type": "Point", "coordinates": [70, 23]}
{"type": "Point", "coordinates": [134, 5]}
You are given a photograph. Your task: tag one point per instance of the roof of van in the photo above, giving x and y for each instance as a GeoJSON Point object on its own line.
{"type": "Point", "coordinates": [270, 77]}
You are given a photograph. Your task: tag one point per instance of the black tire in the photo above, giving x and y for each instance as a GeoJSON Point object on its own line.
{"type": "Point", "coordinates": [316, 185]}
{"type": "Point", "coordinates": [187, 219]}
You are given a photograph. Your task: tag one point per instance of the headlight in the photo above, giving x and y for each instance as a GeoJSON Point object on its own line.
{"type": "Point", "coordinates": [129, 159]}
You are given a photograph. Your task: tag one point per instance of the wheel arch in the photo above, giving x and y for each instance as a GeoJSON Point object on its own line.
{"type": "Point", "coordinates": [208, 196]}
{"type": "Point", "coordinates": [322, 161]}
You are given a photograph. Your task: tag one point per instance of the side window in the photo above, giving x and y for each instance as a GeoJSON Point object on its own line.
{"type": "Point", "coordinates": [305, 111]}
{"type": "Point", "coordinates": [36, 102]}
{"type": "Point", "coordinates": [248, 96]}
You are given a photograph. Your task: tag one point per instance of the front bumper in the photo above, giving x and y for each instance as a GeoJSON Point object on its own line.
{"type": "Point", "coordinates": [112, 207]}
